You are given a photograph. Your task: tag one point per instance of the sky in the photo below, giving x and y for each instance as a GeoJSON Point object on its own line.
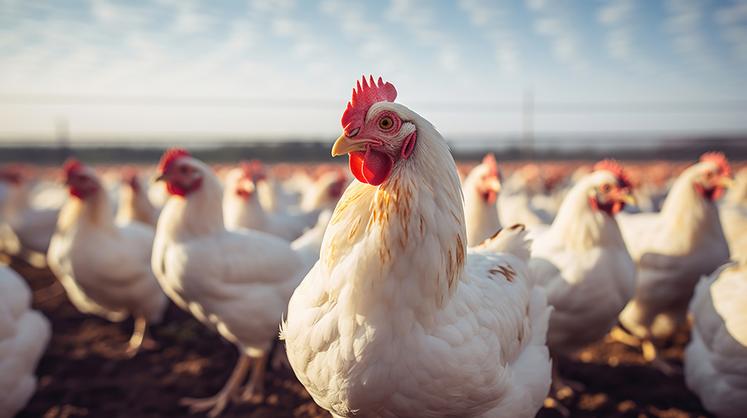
{"type": "Point", "coordinates": [138, 70]}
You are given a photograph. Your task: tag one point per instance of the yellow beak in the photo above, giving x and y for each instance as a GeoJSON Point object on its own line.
{"type": "Point", "coordinates": [629, 199]}
{"type": "Point", "coordinates": [345, 145]}
{"type": "Point", "coordinates": [625, 196]}
{"type": "Point", "coordinates": [494, 184]}
{"type": "Point", "coordinates": [726, 182]}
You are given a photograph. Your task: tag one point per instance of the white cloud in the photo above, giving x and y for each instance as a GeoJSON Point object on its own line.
{"type": "Point", "coordinates": [487, 16]}
{"type": "Point", "coordinates": [562, 40]}
{"type": "Point", "coordinates": [553, 21]}
{"type": "Point", "coordinates": [111, 13]}
{"type": "Point", "coordinates": [536, 4]}
{"type": "Point", "coordinates": [616, 16]}
{"type": "Point", "coordinates": [684, 23]}
{"type": "Point", "coordinates": [417, 17]}
{"type": "Point", "coordinates": [373, 43]}
{"type": "Point", "coordinates": [616, 11]}
{"type": "Point", "coordinates": [732, 21]}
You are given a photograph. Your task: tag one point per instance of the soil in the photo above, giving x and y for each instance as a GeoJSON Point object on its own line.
{"type": "Point", "coordinates": [85, 374]}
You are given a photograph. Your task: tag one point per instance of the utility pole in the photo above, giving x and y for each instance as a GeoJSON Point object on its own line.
{"type": "Point", "coordinates": [62, 134]}
{"type": "Point", "coordinates": [528, 123]}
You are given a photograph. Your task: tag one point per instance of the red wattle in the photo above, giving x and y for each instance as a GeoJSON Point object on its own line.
{"type": "Point", "coordinates": [713, 194]}
{"type": "Point", "coordinates": [372, 167]}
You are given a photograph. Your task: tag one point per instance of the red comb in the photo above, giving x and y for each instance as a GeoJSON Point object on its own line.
{"type": "Point", "coordinates": [129, 176]}
{"type": "Point", "coordinates": [71, 165]}
{"type": "Point", "coordinates": [365, 94]}
{"type": "Point", "coordinates": [254, 170]}
{"type": "Point", "coordinates": [489, 160]}
{"type": "Point", "coordinates": [170, 156]}
{"type": "Point", "coordinates": [615, 168]}
{"type": "Point", "coordinates": [12, 174]}
{"type": "Point", "coordinates": [719, 159]}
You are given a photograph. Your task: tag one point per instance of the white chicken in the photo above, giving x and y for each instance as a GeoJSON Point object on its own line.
{"type": "Point", "coordinates": [24, 334]}
{"type": "Point", "coordinates": [325, 192]}
{"type": "Point", "coordinates": [515, 200]}
{"type": "Point", "coordinates": [31, 227]}
{"type": "Point", "coordinates": [481, 188]}
{"type": "Point", "coordinates": [582, 262]}
{"type": "Point", "coordinates": [242, 208]}
{"type": "Point", "coordinates": [716, 357]}
{"type": "Point", "coordinates": [398, 318]}
{"type": "Point", "coordinates": [104, 267]}
{"type": "Point", "coordinates": [134, 205]}
{"type": "Point", "coordinates": [672, 249]}
{"type": "Point", "coordinates": [733, 210]}
{"type": "Point", "coordinates": [235, 282]}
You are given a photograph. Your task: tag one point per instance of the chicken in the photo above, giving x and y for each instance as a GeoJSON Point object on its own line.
{"type": "Point", "coordinates": [515, 200]}
{"type": "Point", "coordinates": [582, 262]}
{"type": "Point", "coordinates": [134, 205]}
{"type": "Point", "coordinates": [716, 357]}
{"type": "Point", "coordinates": [31, 227]}
{"type": "Point", "coordinates": [24, 334]}
{"type": "Point", "coordinates": [398, 318]}
{"type": "Point", "coordinates": [104, 267]}
{"type": "Point", "coordinates": [242, 207]}
{"type": "Point", "coordinates": [481, 188]}
{"type": "Point", "coordinates": [733, 211]}
{"type": "Point", "coordinates": [235, 282]}
{"type": "Point", "coordinates": [325, 192]}
{"type": "Point", "coordinates": [672, 249]}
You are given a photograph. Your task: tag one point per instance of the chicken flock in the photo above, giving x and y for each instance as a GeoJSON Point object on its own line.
{"type": "Point", "coordinates": [418, 289]}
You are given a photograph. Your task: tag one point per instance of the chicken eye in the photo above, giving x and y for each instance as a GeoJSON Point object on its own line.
{"type": "Point", "coordinates": [386, 123]}
{"type": "Point", "coordinates": [606, 188]}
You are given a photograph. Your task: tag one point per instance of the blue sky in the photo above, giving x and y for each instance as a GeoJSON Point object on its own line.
{"type": "Point", "coordinates": [306, 55]}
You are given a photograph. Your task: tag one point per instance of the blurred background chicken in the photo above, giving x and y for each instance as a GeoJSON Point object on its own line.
{"type": "Point", "coordinates": [481, 189]}
{"type": "Point", "coordinates": [235, 282]}
{"type": "Point", "coordinates": [515, 201]}
{"type": "Point", "coordinates": [673, 249]}
{"type": "Point", "coordinates": [24, 334]}
{"type": "Point", "coordinates": [397, 309]}
{"type": "Point", "coordinates": [134, 204]}
{"type": "Point", "coordinates": [733, 211]}
{"type": "Point", "coordinates": [242, 207]}
{"type": "Point", "coordinates": [325, 192]}
{"type": "Point", "coordinates": [104, 267]}
{"type": "Point", "coordinates": [582, 263]}
{"type": "Point", "coordinates": [28, 227]}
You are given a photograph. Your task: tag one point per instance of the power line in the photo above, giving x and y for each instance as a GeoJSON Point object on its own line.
{"type": "Point", "coordinates": [544, 107]}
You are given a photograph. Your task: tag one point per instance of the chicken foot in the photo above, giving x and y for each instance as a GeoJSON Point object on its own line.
{"type": "Point", "coordinates": [648, 349]}
{"type": "Point", "coordinates": [218, 402]}
{"type": "Point", "coordinates": [254, 391]}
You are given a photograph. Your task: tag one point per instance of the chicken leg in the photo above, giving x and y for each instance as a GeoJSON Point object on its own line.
{"type": "Point", "coordinates": [648, 350]}
{"type": "Point", "coordinates": [218, 402]}
{"type": "Point", "coordinates": [563, 388]}
{"type": "Point", "coordinates": [138, 335]}
{"type": "Point", "coordinates": [254, 391]}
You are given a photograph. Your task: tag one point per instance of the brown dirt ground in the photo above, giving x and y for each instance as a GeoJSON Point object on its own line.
{"type": "Point", "coordinates": [83, 373]}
